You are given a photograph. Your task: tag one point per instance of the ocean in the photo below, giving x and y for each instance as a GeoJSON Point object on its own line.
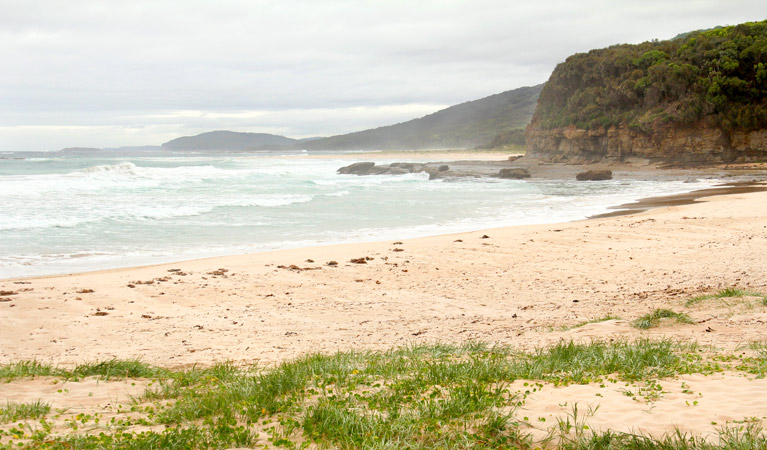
{"type": "Point", "coordinates": [64, 213]}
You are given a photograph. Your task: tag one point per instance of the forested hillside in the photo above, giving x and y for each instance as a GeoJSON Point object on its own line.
{"type": "Point", "coordinates": [699, 98]}
{"type": "Point", "coordinates": [718, 75]}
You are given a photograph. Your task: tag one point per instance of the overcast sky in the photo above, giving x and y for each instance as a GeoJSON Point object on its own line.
{"type": "Point", "coordinates": [135, 72]}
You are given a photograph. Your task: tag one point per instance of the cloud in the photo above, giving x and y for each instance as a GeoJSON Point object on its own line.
{"type": "Point", "coordinates": [92, 64]}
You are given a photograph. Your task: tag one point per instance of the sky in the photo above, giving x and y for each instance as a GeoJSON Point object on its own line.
{"type": "Point", "coordinates": [141, 72]}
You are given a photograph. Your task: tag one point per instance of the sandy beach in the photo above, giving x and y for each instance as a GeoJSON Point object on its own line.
{"type": "Point", "coordinates": [527, 287]}
{"type": "Point", "coordinates": [515, 286]}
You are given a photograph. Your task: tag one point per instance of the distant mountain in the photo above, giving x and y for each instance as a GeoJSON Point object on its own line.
{"type": "Point", "coordinates": [229, 140]}
{"type": "Point", "coordinates": [467, 125]}
{"type": "Point", "coordinates": [134, 148]}
{"type": "Point", "coordinates": [79, 150]}
{"type": "Point", "coordinates": [491, 121]}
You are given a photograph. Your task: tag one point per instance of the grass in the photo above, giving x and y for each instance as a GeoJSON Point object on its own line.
{"type": "Point", "coordinates": [117, 369]}
{"type": "Point", "coordinates": [105, 369]}
{"type": "Point", "coordinates": [416, 397]}
{"type": "Point", "coordinates": [654, 318]}
{"type": "Point", "coordinates": [12, 412]}
{"type": "Point", "coordinates": [25, 369]}
{"type": "Point", "coordinates": [730, 292]}
{"type": "Point", "coordinates": [751, 436]}
{"type": "Point", "coordinates": [756, 363]}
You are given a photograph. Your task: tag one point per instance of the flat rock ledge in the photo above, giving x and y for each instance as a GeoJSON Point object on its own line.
{"type": "Point", "coordinates": [440, 170]}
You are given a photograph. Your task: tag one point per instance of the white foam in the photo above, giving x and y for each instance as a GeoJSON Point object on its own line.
{"type": "Point", "coordinates": [153, 209]}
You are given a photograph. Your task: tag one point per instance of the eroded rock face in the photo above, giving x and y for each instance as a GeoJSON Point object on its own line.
{"type": "Point", "coordinates": [595, 175]}
{"type": "Point", "coordinates": [669, 144]}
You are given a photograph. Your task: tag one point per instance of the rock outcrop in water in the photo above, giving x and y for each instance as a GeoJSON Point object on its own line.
{"type": "Point", "coordinates": [439, 170]}
{"type": "Point", "coordinates": [595, 175]}
{"type": "Point", "coordinates": [371, 168]}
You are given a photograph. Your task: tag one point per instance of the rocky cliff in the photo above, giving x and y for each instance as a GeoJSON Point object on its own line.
{"type": "Point", "coordinates": [699, 98]}
{"type": "Point", "coordinates": [668, 144]}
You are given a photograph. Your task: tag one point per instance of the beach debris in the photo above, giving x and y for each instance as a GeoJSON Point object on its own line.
{"type": "Point", "coordinates": [291, 333]}
{"type": "Point", "coordinates": [309, 260]}
{"type": "Point", "coordinates": [418, 333]}
{"type": "Point", "coordinates": [297, 268]}
{"type": "Point", "coordinates": [595, 175]}
{"type": "Point", "coordinates": [363, 260]}
{"type": "Point", "coordinates": [331, 263]}
{"type": "Point", "coordinates": [6, 293]}
{"type": "Point", "coordinates": [22, 282]}
{"type": "Point", "coordinates": [484, 236]}
{"type": "Point", "coordinates": [86, 291]}
{"type": "Point", "coordinates": [4, 299]}
{"type": "Point", "coordinates": [146, 316]}
{"type": "Point", "coordinates": [397, 243]}
{"type": "Point", "coordinates": [219, 272]}
{"type": "Point", "coordinates": [100, 313]}
{"type": "Point", "coordinates": [398, 250]}
{"type": "Point", "coordinates": [131, 285]}
{"type": "Point", "coordinates": [458, 240]}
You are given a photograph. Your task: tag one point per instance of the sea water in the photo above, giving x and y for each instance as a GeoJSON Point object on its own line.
{"type": "Point", "coordinates": [62, 213]}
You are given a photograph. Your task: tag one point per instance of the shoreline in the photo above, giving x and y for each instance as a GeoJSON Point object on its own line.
{"type": "Point", "coordinates": [515, 286]}
{"type": "Point", "coordinates": [525, 288]}
{"type": "Point", "coordinates": [639, 206]}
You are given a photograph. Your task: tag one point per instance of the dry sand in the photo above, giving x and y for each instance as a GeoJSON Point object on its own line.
{"type": "Point", "coordinates": [523, 286]}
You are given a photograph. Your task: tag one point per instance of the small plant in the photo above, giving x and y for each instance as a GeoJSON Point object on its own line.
{"type": "Point", "coordinates": [653, 319]}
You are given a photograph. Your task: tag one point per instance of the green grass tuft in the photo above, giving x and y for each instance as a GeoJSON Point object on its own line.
{"type": "Point", "coordinates": [730, 292]}
{"type": "Point", "coordinates": [751, 436]}
{"type": "Point", "coordinates": [653, 319]}
{"type": "Point", "coordinates": [115, 368]}
{"type": "Point", "coordinates": [13, 412]}
{"type": "Point", "coordinates": [24, 369]}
